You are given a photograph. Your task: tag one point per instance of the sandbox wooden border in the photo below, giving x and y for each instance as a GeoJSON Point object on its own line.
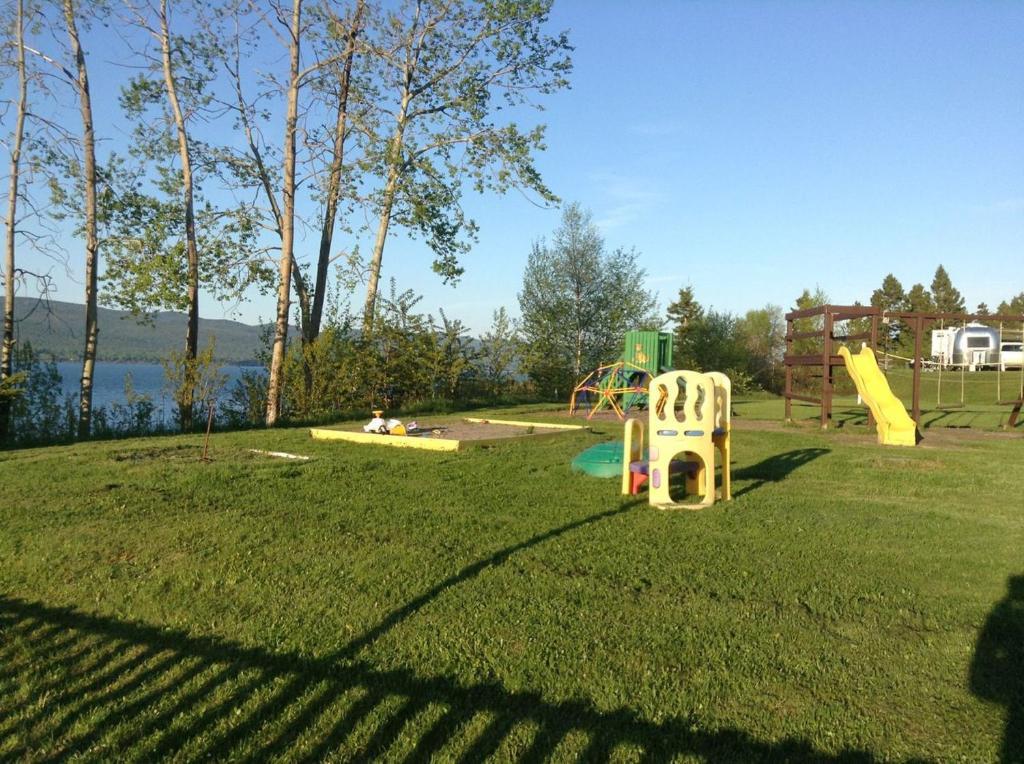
{"type": "Point", "coordinates": [441, 444]}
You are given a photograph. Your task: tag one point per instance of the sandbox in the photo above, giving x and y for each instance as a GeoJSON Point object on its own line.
{"type": "Point", "coordinates": [449, 435]}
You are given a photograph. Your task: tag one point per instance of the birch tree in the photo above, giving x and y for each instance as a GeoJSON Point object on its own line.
{"type": "Point", "coordinates": [292, 29]}
{"type": "Point", "coordinates": [449, 66]}
{"type": "Point", "coordinates": [89, 185]}
{"type": "Point", "coordinates": [16, 141]}
{"type": "Point", "coordinates": [167, 242]}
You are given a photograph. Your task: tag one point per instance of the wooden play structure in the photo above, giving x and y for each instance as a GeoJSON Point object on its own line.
{"type": "Point", "coordinates": [688, 424]}
{"type": "Point", "coordinates": [814, 335]}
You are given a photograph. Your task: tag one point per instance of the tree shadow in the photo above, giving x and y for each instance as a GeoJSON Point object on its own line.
{"type": "Point", "coordinates": [96, 685]}
{"type": "Point", "coordinates": [997, 670]}
{"type": "Point", "coordinates": [775, 469]}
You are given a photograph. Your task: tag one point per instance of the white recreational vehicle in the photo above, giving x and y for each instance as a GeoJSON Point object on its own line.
{"type": "Point", "coordinates": [975, 346]}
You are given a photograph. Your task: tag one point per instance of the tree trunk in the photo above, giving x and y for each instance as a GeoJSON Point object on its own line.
{"type": "Point", "coordinates": [395, 171]}
{"type": "Point", "coordinates": [378, 250]}
{"type": "Point", "coordinates": [191, 248]}
{"type": "Point", "coordinates": [7, 343]}
{"type": "Point", "coordinates": [312, 331]}
{"type": "Point", "coordinates": [91, 239]}
{"type": "Point", "coordinates": [275, 385]}
{"type": "Point", "coordinates": [388, 203]}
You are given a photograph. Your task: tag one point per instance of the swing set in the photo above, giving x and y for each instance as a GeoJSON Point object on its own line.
{"type": "Point", "coordinates": [1004, 358]}
{"type": "Point", "coordinates": [1007, 361]}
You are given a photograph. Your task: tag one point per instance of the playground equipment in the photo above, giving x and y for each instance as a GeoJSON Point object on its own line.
{"type": "Point", "coordinates": [893, 424]}
{"type": "Point", "coordinates": [973, 347]}
{"type": "Point", "coordinates": [618, 386]}
{"type": "Point", "coordinates": [623, 385]}
{"type": "Point", "coordinates": [689, 419]}
{"type": "Point", "coordinates": [813, 333]}
{"type": "Point", "coordinates": [603, 460]}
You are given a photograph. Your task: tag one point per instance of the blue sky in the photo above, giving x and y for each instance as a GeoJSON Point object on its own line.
{"type": "Point", "coordinates": [751, 150]}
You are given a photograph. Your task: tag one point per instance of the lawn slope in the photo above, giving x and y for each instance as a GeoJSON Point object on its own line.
{"type": "Point", "coordinates": [383, 603]}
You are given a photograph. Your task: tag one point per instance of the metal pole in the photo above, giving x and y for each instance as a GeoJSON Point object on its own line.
{"type": "Point", "coordinates": [999, 368]}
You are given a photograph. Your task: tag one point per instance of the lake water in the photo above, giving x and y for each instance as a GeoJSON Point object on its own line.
{"type": "Point", "coordinates": [147, 379]}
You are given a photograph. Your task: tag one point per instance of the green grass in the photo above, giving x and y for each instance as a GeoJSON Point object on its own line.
{"type": "Point", "coordinates": [384, 603]}
{"type": "Point", "coordinates": [942, 405]}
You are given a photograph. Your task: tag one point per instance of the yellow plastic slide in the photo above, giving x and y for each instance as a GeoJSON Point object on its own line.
{"type": "Point", "coordinates": [895, 427]}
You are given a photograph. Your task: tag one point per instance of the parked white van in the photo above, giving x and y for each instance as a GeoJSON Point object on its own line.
{"type": "Point", "coordinates": [1011, 355]}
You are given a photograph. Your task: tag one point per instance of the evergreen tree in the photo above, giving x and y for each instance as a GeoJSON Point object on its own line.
{"type": "Point", "coordinates": [1013, 306]}
{"type": "Point", "coordinates": [982, 310]}
{"type": "Point", "coordinates": [947, 297]}
{"type": "Point", "coordinates": [683, 314]}
{"type": "Point", "coordinates": [890, 297]}
{"type": "Point", "coordinates": [920, 299]}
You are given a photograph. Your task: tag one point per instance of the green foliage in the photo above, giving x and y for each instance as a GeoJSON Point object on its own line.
{"type": "Point", "coordinates": [682, 315]}
{"type": "Point", "coordinates": [244, 404]}
{"type": "Point", "coordinates": [919, 299]}
{"type": "Point", "coordinates": [10, 387]}
{"type": "Point", "coordinates": [40, 412]}
{"type": "Point", "coordinates": [453, 71]}
{"type": "Point", "coordinates": [499, 354]}
{"type": "Point", "coordinates": [947, 298]}
{"type": "Point", "coordinates": [802, 376]}
{"type": "Point", "coordinates": [146, 267]}
{"type": "Point", "coordinates": [890, 297]}
{"type": "Point", "coordinates": [192, 381]}
{"type": "Point", "coordinates": [1013, 306]}
{"type": "Point", "coordinates": [577, 302]}
{"type": "Point", "coordinates": [408, 361]}
{"type": "Point", "coordinates": [763, 334]}
{"type": "Point", "coordinates": [324, 376]}
{"type": "Point", "coordinates": [133, 417]}
{"type": "Point", "coordinates": [452, 360]}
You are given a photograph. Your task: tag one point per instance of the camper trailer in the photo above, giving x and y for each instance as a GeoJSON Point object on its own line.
{"type": "Point", "coordinates": [976, 346]}
{"type": "Point", "coordinates": [942, 345]}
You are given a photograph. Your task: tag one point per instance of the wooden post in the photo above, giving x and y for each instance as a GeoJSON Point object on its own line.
{"type": "Point", "coordinates": [788, 390]}
{"type": "Point", "coordinates": [918, 340]}
{"type": "Point", "coordinates": [874, 349]}
{"type": "Point", "coordinates": [826, 371]}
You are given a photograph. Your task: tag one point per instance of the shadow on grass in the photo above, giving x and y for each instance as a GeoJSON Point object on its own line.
{"type": "Point", "coordinates": [997, 671]}
{"type": "Point", "coordinates": [775, 469]}
{"type": "Point", "coordinates": [117, 689]}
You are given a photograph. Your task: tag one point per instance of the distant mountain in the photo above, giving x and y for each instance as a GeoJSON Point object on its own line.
{"type": "Point", "coordinates": [57, 329]}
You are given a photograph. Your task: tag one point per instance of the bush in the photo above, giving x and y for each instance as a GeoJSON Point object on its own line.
{"type": "Point", "coordinates": [40, 412]}
{"type": "Point", "coordinates": [133, 417]}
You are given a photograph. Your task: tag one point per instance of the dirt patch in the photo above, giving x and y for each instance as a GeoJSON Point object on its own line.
{"type": "Point", "coordinates": [164, 453]}
{"type": "Point", "coordinates": [934, 437]}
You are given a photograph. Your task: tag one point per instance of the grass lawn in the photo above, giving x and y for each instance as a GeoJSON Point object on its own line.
{"type": "Point", "coordinates": [849, 605]}
{"type": "Point", "coordinates": [942, 405]}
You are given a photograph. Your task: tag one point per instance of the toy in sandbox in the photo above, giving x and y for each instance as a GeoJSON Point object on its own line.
{"type": "Point", "coordinates": [622, 385]}
{"type": "Point", "coordinates": [687, 424]}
